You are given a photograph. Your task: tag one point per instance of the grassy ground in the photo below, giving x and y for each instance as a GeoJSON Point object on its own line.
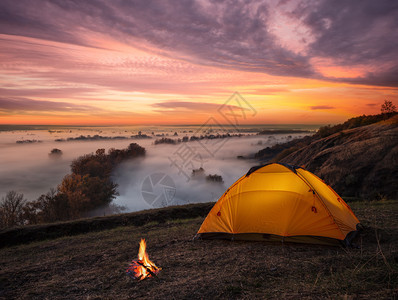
{"type": "Point", "coordinates": [23, 235]}
{"type": "Point", "coordinates": [92, 265]}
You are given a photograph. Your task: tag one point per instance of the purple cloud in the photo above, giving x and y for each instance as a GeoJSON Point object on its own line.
{"type": "Point", "coordinates": [48, 92]}
{"type": "Point", "coordinates": [17, 104]}
{"type": "Point", "coordinates": [227, 34]}
{"type": "Point", "coordinates": [321, 107]}
{"type": "Point", "coordinates": [355, 33]}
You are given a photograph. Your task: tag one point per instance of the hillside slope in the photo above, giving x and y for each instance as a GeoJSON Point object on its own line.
{"type": "Point", "coordinates": [92, 265]}
{"type": "Point", "coordinates": [361, 161]}
{"type": "Point", "coordinates": [34, 233]}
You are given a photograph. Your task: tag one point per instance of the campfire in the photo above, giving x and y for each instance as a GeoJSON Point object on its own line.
{"type": "Point", "coordinates": [143, 267]}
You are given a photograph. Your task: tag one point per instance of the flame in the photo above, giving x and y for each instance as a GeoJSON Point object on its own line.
{"type": "Point", "coordinates": [143, 267]}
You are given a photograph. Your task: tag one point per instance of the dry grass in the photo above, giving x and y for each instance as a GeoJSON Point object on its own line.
{"type": "Point", "coordinates": [92, 265]}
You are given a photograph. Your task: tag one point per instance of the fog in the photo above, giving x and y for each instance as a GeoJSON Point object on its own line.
{"type": "Point", "coordinates": [159, 160]}
{"type": "Point", "coordinates": [27, 167]}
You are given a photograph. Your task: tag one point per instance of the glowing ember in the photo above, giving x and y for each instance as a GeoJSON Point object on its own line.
{"type": "Point", "coordinates": [143, 267]}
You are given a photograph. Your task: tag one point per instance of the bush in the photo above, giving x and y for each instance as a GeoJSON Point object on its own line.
{"type": "Point", "coordinates": [363, 120]}
{"type": "Point", "coordinates": [198, 173]}
{"type": "Point", "coordinates": [214, 178]}
{"type": "Point", "coordinates": [89, 186]}
{"type": "Point", "coordinates": [11, 209]}
{"type": "Point", "coordinates": [101, 164]}
{"type": "Point", "coordinates": [55, 152]}
{"type": "Point", "coordinates": [50, 207]}
{"type": "Point", "coordinates": [84, 193]}
{"type": "Point", "coordinates": [388, 107]}
{"type": "Point", "coordinates": [166, 141]}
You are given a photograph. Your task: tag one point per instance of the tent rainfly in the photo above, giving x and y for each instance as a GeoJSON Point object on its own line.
{"type": "Point", "coordinates": [280, 202]}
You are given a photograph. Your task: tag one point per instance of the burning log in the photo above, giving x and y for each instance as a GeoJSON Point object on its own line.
{"type": "Point", "coordinates": [143, 267]}
{"type": "Point", "coordinates": [148, 269]}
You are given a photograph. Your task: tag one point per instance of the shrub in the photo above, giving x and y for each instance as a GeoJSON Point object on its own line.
{"type": "Point", "coordinates": [388, 107]}
{"type": "Point", "coordinates": [165, 141]}
{"type": "Point", "coordinates": [214, 178]}
{"type": "Point", "coordinates": [11, 209]}
{"type": "Point", "coordinates": [55, 152]}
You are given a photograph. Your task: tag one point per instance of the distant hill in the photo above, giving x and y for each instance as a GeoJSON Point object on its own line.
{"type": "Point", "coordinates": [279, 151]}
{"type": "Point", "coordinates": [359, 162]}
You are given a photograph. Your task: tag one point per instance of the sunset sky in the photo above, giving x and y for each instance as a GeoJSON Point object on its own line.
{"type": "Point", "coordinates": [175, 62]}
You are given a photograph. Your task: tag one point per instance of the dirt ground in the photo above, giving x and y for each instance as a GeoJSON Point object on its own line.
{"type": "Point", "coordinates": [93, 265]}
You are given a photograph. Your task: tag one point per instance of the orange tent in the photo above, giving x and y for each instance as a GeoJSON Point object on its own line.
{"type": "Point", "coordinates": [281, 202]}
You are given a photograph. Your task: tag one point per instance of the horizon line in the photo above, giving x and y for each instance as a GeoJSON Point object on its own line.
{"type": "Point", "coordinates": [165, 125]}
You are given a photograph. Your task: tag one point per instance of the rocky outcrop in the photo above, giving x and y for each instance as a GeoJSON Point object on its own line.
{"type": "Point", "coordinates": [360, 162]}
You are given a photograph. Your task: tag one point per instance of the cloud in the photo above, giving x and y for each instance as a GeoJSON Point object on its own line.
{"type": "Point", "coordinates": [70, 71]}
{"type": "Point", "coordinates": [18, 104]}
{"type": "Point", "coordinates": [228, 34]}
{"type": "Point", "coordinates": [46, 92]}
{"type": "Point", "coordinates": [387, 77]}
{"type": "Point", "coordinates": [352, 32]}
{"type": "Point", "coordinates": [321, 107]}
{"type": "Point", "coordinates": [271, 91]}
{"type": "Point", "coordinates": [196, 106]}
{"type": "Point", "coordinates": [355, 33]}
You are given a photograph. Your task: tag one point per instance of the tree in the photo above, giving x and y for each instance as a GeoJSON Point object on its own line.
{"type": "Point", "coordinates": [214, 178]}
{"type": "Point", "coordinates": [198, 173]}
{"type": "Point", "coordinates": [88, 188]}
{"type": "Point", "coordinates": [50, 207]}
{"type": "Point", "coordinates": [93, 165]}
{"type": "Point", "coordinates": [388, 107]}
{"type": "Point", "coordinates": [11, 209]}
{"type": "Point", "coordinates": [85, 193]}
{"type": "Point", "coordinates": [55, 152]}
{"type": "Point", "coordinates": [73, 187]}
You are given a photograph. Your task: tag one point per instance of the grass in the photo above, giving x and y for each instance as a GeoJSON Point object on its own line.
{"type": "Point", "coordinates": [14, 236]}
{"type": "Point", "coordinates": [92, 265]}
